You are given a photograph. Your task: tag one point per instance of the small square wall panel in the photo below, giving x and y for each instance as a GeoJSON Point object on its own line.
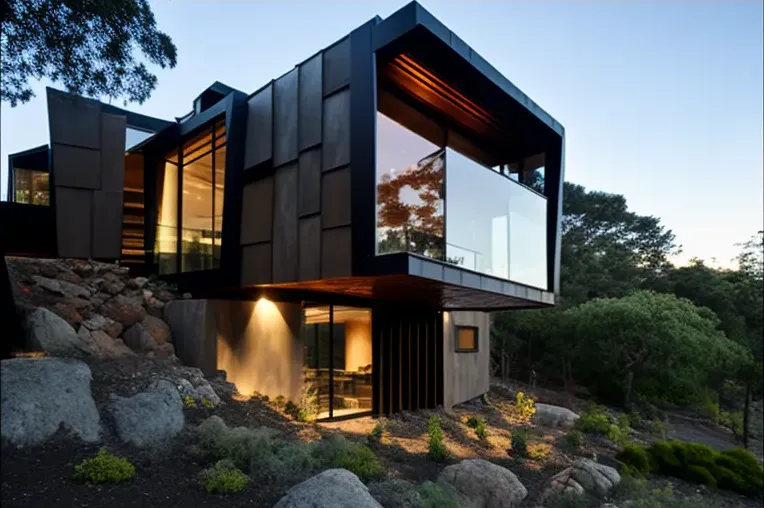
{"type": "Point", "coordinates": [259, 141]}
{"type": "Point", "coordinates": [74, 120]}
{"type": "Point", "coordinates": [76, 167]}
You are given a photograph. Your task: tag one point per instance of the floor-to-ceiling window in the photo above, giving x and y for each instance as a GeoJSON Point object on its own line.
{"type": "Point", "coordinates": [337, 341]}
{"type": "Point", "coordinates": [190, 191]}
{"type": "Point", "coordinates": [31, 187]}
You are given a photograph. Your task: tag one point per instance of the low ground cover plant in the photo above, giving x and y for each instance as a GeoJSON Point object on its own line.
{"type": "Point", "coordinates": [436, 446]}
{"type": "Point", "coordinates": [737, 469]}
{"type": "Point", "coordinates": [375, 436]}
{"type": "Point", "coordinates": [223, 478]}
{"type": "Point", "coordinates": [104, 468]}
{"type": "Point", "coordinates": [519, 442]}
{"type": "Point", "coordinates": [594, 420]}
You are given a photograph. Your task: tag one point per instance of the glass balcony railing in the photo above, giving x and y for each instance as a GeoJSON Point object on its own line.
{"type": "Point", "coordinates": [494, 225]}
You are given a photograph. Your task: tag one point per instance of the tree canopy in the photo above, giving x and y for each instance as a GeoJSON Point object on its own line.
{"type": "Point", "coordinates": [98, 48]}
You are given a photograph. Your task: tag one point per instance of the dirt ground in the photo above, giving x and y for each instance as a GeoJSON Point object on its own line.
{"type": "Point", "coordinates": [41, 476]}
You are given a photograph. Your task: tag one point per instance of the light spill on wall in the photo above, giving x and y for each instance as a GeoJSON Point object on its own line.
{"type": "Point", "coordinates": [258, 345]}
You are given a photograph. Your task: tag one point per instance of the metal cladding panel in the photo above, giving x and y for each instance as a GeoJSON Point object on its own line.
{"type": "Point", "coordinates": [74, 120]}
{"type": "Point", "coordinates": [310, 248]}
{"type": "Point", "coordinates": [335, 198]}
{"type": "Point", "coordinates": [74, 211]}
{"type": "Point", "coordinates": [337, 66]}
{"type": "Point", "coordinates": [259, 138]}
{"type": "Point", "coordinates": [76, 167]}
{"type": "Point", "coordinates": [256, 264]}
{"type": "Point", "coordinates": [257, 211]}
{"type": "Point", "coordinates": [285, 227]}
{"type": "Point", "coordinates": [310, 102]}
{"type": "Point", "coordinates": [107, 224]}
{"type": "Point", "coordinates": [336, 142]}
{"type": "Point", "coordinates": [336, 249]}
{"type": "Point", "coordinates": [285, 104]}
{"type": "Point", "coordinates": [310, 182]}
{"type": "Point", "coordinates": [113, 128]}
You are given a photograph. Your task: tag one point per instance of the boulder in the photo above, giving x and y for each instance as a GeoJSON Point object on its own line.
{"type": "Point", "coordinates": [113, 287]}
{"type": "Point", "coordinates": [139, 340]}
{"type": "Point", "coordinates": [482, 484]}
{"type": "Point", "coordinates": [204, 390]}
{"type": "Point", "coordinates": [137, 283]}
{"type": "Point", "coordinates": [124, 309]}
{"type": "Point", "coordinates": [68, 313]}
{"type": "Point", "coordinates": [40, 395]}
{"type": "Point", "coordinates": [554, 416]}
{"type": "Point", "coordinates": [157, 329]}
{"type": "Point", "coordinates": [584, 475]}
{"type": "Point", "coordinates": [149, 418]}
{"type": "Point", "coordinates": [334, 488]}
{"type": "Point", "coordinates": [48, 332]}
{"type": "Point", "coordinates": [396, 493]}
{"type": "Point", "coordinates": [61, 287]}
{"type": "Point", "coordinates": [99, 322]}
{"type": "Point", "coordinates": [165, 350]}
{"type": "Point", "coordinates": [108, 347]}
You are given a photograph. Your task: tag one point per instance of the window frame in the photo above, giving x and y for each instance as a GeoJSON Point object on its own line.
{"type": "Point", "coordinates": [475, 330]}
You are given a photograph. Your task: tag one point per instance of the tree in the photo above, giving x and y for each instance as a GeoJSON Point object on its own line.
{"type": "Point", "coordinates": [97, 48]}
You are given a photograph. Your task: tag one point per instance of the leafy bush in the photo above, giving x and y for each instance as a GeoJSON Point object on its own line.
{"type": "Point", "coordinates": [224, 478]}
{"type": "Point", "coordinates": [636, 491]}
{"type": "Point", "coordinates": [593, 421]}
{"type": "Point", "coordinates": [188, 401]}
{"type": "Point", "coordinates": [733, 421]}
{"type": "Point", "coordinates": [308, 408]}
{"type": "Point", "coordinates": [636, 457]}
{"type": "Point", "coordinates": [375, 436]}
{"type": "Point", "coordinates": [519, 442]}
{"type": "Point", "coordinates": [538, 451]}
{"type": "Point", "coordinates": [338, 452]}
{"type": "Point", "coordinates": [709, 406]}
{"type": "Point", "coordinates": [738, 469]}
{"type": "Point", "coordinates": [472, 422]}
{"type": "Point", "coordinates": [658, 428]}
{"type": "Point", "coordinates": [104, 468]}
{"type": "Point", "coordinates": [436, 446]}
{"type": "Point", "coordinates": [207, 403]}
{"type": "Point", "coordinates": [435, 496]}
{"type": "Point", "coordinates": [573, 439]}
{"type": "Point", "coordinates": [481, 431]}
{"type": "Point", "coordinates": [280, 402]}
{"type": "Point", "coordinates": [525, 406]}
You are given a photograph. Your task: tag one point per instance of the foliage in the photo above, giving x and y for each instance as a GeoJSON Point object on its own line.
{"type": "Point", "coordinates": [207, 403]}
{"type": "Point", "coordinates": [525, 406]}
{"type": "Point", "coordinates": [308, 407]}
{"type": "Point", "coordinates": [733, 420]}
{"type": "Point", "coordinates": [188, 401]}
{"type": "Point", "coordinates": [104, 468]}
{"type": "Point", "coordinates": [223, 478]}
{"type": "Point", "coordinates": [280, 402]}
{"type": "Point", "coordinates": [593, 421]}
{"type": "Point", "coordinates": [709, 406]}
{"type": "Point", "coordinates": [636, 457]}
{"type": "Point", "coordinates": [375, 436]}
{"type": "Point", "coordinates": [658, 428]}
{"type": "Point", "coordinates": [573, 439]}
{"type": "Point", "coordinates": [636, 492]}
{"type": "Point", "coordinates": [481, 431]}
{"type": "Point", "coordinates": [338, 452]}
{"type": "Point", "coordinates": [436, 446]}
{"type": "Point", "coordinates": [538, 451]}
{"type": "Point", "coordinates": [738, 470]}
{"type": "Point", "coordinates": [436, 496]}
{"type": "Point", "coordinates": [472, 422]}
{"type": "Point", "coordinates": [519, 442]}
{"type": "Point", "coordinates": [97, 48]}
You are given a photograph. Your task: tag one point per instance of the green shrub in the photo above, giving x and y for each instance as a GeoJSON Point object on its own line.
{"type": "Point", "coordinates": [733, 421]}
{"type": "Point", "coordinates": [593, 421]}
{"type": "Point", "coordinates": [207, 403]}
{"type": "Point", "coordinates": [435, 496]}
{"type": "Point", "coordinates": [436, 446]}
{"type": "Point", "coordinates": [224, 478]}
{"type": "Point", "coordinates": [525, 406]}
{"type": "Point", "coordinates": [280, 402]}
{"type": "Point", "coordinates": [104, 468]}
{"type": "Point", "coordinates": [481, 431]}
{"type": "Point", "coordinates": [338, 452]}
{"type": "Point", "coordinates": [701, 475]}
{"type": "Point", "coordinates": [308, 407]}
{"type": "Point", "coordinates": [744, 457]}
{"type": "Point", "coordinates": [472, 421]}
{"type": "Point", "coordinates": [375, 436]}
{"type": "Point", "coordinates": [635, 456]}
{"type": "Point", "coordinates": [664, 458]}
{"type": "Point", "coordinates": [709, 407]}
{"type": "Point", "coordinates": [573, 439]}
{"type": "Point", "coordinates": [658, 428]}
{"type": "Point", "coordinates": [519, 442]}
{"type": "Point", "coordinates": [188, 401]}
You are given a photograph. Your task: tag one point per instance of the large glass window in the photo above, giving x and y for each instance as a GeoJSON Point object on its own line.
{"type": "Point", "coordinates": [31, 187]}
{"type": "Point", "coordinates": [337, 345]}
{"type": "Point", "coordinates": [199, 169]}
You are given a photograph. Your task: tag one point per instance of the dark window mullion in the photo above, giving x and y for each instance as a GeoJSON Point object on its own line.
{"type": "Point", "coordinates": [179, 218]}
{"type": "Point", "coordinates": [331, 361]}
{"type": "Point", "coordinates": [214, 240]}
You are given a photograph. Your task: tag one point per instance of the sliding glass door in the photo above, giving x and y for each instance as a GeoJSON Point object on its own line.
{"type": "Point", "coordinates": [337, 342]}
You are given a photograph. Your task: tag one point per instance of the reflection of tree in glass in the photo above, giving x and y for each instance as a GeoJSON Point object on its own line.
{"type": "Point", "coordinates": [413, 227]}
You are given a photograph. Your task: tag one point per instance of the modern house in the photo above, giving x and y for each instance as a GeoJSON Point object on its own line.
{"type": "Point", "coordinates": [347, 226]}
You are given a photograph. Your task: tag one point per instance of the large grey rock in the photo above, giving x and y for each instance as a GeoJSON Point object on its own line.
{"type": "Point", "coordinates": [108, 347]}
{"type": "Point", "coordinates": [334, 488]}
{"type": "Point", "coordinates": [584, 475]}
{"type": "Point", "coordinates": [554, 416]}
{"type": "Point", "coordinates": [149, 418]}
{"type": "Point", "coordinates": [39, 395]}
{"type": "Point", "coordinates": [157, 328]}
{"type": "Point", "coordinates": [48, 332]}
{"type": "Point", "coordinates": [482, 484]}
{"type": "Point", "coordinates": [61, 287]}
{"type": "Point", "coordinates": [99, 322]}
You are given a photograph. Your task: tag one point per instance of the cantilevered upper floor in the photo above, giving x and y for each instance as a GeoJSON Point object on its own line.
{"type": "Point", "coordinates": [395, 165]}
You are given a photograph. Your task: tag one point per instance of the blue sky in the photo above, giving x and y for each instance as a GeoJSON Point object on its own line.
{"type": "Point", "coordinates": [661, 101]}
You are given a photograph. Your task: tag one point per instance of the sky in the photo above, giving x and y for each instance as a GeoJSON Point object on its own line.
{"type": "Point", "coordinates": [661, 101]}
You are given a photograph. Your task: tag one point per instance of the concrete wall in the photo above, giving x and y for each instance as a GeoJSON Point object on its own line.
{"type": "Point", "coordinates": [88, 166]}
{"type": "Point", "coordinates": [295, 223]}
{"type": "Point", "coordinates": [465, 375]}
{"type": "Point", "coordinates": [256, 343]}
